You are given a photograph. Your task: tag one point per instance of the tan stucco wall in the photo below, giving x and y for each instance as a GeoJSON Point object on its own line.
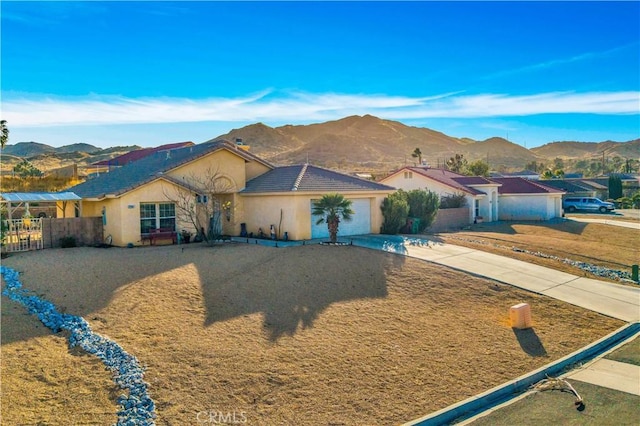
{"type": "Point", "coordinates": [255, 169]}
{"type": "Point", "coordinates": [221, 163]}
{"type": "Point", "coordinates": [66, 209]}
{"type": "Point", "coordinates": [262, 211]}
{"type": "Point", "coordinates": [123, 214]}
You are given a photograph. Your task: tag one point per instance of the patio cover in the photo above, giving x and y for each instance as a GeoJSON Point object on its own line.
{"type": "Point", "coordinates": [38, 197]}
{"type": "Point", "coordinates": [25, 198]}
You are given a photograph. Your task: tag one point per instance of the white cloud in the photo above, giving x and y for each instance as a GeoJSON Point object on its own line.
{"type": "Point", "coordinates": [303, 107]}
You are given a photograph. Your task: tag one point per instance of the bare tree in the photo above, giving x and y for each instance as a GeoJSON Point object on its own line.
{"type": "Point", "coordinates": [202, 202]}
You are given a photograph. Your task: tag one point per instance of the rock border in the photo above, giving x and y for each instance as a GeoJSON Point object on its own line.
{"type": "Point", "coordinates": [136, 408]}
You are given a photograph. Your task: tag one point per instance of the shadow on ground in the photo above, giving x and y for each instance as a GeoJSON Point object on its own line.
{"type": "Point", "coordinates": [236, 279]}
{"type": "Point", "coordinates": [530, 342]}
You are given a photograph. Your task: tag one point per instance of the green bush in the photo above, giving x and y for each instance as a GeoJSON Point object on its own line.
{"type": "Point", "coordinates": [417, 203]}
{"type": "Point", "coordinates": [423, 204]}
{"type": "Point", "coordinates": [395, 211]}
{"type": "Point", "coordinates": [453, 201]}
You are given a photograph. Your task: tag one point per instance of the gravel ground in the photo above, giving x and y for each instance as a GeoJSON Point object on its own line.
{"type": "Point", "coordinates": [302, 335]}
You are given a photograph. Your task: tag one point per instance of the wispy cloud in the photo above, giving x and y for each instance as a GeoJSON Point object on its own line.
{"type": "Point", "coordinates": [300, 107]}
{"type": "Point", "coordinates": [562, 61]}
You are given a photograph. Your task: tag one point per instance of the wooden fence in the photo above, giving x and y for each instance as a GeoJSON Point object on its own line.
{"type": "Point", "coordinates": [87, 231]}
{"type": "Point", "coordinates": [450, 219]}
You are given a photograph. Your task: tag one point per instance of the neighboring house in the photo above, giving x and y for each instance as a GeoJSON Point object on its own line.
{"type": "Point", "coordinates": [597, 187]}
{"type": "Point", "coordinates": [105, 166]}
{"type": "Point", "coordinates": [481, 194]}
{"type": "Point", "coordinates": [490, 199]}
{"type": "Point", "coordinates": [524, 199]}
{"type": "Point", "coordinates": [526, 174]}
{"type": "Point", "coordinates": [576, 187]}
{"type": "Point", "coordinates": [140, 196]}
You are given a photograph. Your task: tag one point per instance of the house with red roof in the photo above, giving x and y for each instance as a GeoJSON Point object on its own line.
{"type": "Point", "coordinates": [488, 199]}
{"type": "Point", "coordinates": [135, 155]}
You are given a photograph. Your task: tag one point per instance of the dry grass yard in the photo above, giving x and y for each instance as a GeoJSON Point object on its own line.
{"type": "Point", "coordinates": [602, 245]}
{"type": "Point", "coordinates": [310, 335]}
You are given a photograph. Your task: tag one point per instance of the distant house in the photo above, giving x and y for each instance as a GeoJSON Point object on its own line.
{"type": "Point", "coordinates": [135, 198]}
{"type": "Point", "coordinates": [490, 199]}
{"type": "Point", "coordinates": [526, 174]}
{"type": "Point", "coordinates": [105, 166]}
{"type": "Point", "coordinates": [577, 187]}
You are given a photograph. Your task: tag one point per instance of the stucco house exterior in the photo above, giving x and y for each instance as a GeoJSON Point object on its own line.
{"type": "Point", "coordinates": [481, 194]}
{"type": "Point", "coordinates": [142, 195]}
{"type": "Point", "coordinates": [489, 199]}
{"type": "Point", "coordinates": [524, 199]}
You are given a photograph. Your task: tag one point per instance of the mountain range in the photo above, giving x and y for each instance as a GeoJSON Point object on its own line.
{"type": "Point", "coordinates": [355, 143]}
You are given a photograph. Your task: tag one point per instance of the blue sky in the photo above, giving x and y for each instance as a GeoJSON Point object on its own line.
{"type": "Point", "coordinates": [149, 73]}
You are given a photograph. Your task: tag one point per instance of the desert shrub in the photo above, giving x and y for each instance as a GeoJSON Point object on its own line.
{"type": "Point", "coordinates": [68, 241]}
{"type": "Point", "coordinates": [395, 210]}
{"type": "Point", "coordinates": [453, 201]}
{"type": "Point", "coordinates": [624, 203]}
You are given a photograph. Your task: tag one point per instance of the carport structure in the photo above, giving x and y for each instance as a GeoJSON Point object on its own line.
{"type": "Point", "coordinates": [19, 201]}
{"type": "Point", "coordinates": [25, 233]}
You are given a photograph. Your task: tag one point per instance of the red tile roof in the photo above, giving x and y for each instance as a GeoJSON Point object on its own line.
{"type": "Point", "coordinates": [136, 155]}
{"type": "Point", "coordinates": [518, 185]}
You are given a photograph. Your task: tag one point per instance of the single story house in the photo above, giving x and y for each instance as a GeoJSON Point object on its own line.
{"type": "Point", "coordinates": [489, 199]}
{"type": "Point", "coordinates": [249, 193]}
{"type": "Point", "coordinates": [481, 194]}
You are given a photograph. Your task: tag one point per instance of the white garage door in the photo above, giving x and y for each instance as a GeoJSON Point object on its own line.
{"type": "Point", "coordinates": [359, 224]}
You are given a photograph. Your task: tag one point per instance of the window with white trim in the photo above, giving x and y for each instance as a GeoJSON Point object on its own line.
{"type": "Point", "coordinates": [408, 175]}
{"type": "Point", "coordinates": [157, 215]}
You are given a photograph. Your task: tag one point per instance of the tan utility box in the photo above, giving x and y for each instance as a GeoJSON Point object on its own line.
{"type": "Point", "coordinates": [520, 316]}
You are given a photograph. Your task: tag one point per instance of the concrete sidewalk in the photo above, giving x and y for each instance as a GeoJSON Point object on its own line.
{"type": "Point", "coordinates": [624, 224]}
{"type": "Point", "coordinates": [610, 374]}
{"type": "Point", "coordinates": [617, 301]}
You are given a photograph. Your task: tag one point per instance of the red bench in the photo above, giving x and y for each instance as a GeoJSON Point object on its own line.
{"type": "Point", "coordinates": [160, 234]}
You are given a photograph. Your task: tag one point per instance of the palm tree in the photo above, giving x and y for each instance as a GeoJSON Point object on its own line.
{"type": "Point", "coordinates": [5, 133]}
{"type": "Point", "coordinates": [417, 154]}
{"type": "Point", "coordinates": [331, 208]}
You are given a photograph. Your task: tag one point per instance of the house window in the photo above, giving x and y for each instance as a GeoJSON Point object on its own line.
{"type": "Point", "coordinates": [408, 175]}
{"type": "Point", "coordinates": [477, 208]}
{"type": "Point", "coordinates": [157, 215]}
{"type": "Point", "coordinates": [202, 199]}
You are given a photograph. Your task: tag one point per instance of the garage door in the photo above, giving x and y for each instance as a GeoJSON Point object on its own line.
{"type": "Point", "coordinates": [359, 224]}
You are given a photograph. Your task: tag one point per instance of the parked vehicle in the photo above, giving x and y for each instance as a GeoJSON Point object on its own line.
{"type": "Point", "coordinates": [573, 204]}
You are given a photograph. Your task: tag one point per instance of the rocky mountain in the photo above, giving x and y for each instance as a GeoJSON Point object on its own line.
{"type": "Point", "coordinates": [579, 150]}
{"type": "Point", "coordinates": [355, 143]}
{"type": "Point", "coordinates": [371, 143]}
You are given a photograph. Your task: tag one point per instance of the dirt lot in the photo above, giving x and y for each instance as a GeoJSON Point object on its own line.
{"type": "Point", "coordinates": [303, 335]}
